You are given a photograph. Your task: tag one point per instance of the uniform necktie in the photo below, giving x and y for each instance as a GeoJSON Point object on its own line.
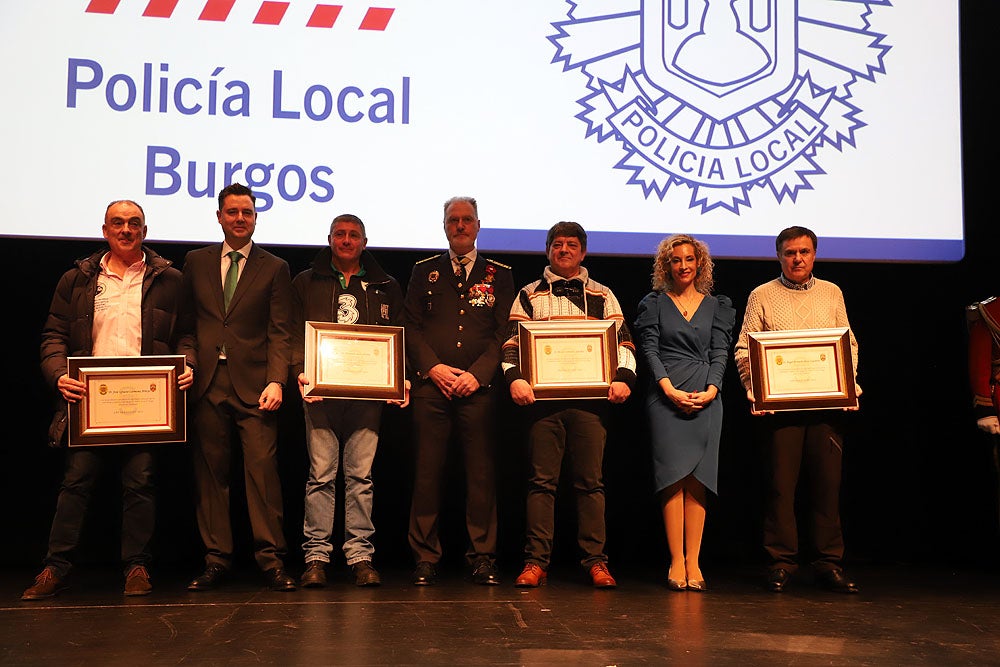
{"type": "Point", "coordinates": [460, 263]}
{"type": "Point", "coordinates": [232, 277]}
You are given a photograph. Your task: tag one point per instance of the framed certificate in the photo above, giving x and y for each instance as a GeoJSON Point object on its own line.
{"type": "Point", "coordinates": [129, 401]}
{"type": "Point", "coordinates": [808, 369]}
{"type": "Point", "coordinates": [355, 361]}
{"type": "Point", "coordinates": [568, 358]}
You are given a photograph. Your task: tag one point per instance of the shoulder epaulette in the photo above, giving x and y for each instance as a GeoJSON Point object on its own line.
{"type": "Point", "coordinates": [975, 306]}
{"type": "Point", "coordinates": [980, 310]}
{"type": "Point", "coordinates": [500, 264]}
{"type": "Point", "coordinates": [427, 259]}
{"type": "Point", "coordinates": [974, 311]}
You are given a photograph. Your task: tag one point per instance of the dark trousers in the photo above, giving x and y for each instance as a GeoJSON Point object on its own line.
{"type": "Point", "coordinates": [580, 435]}
{"type": "Point", "coordinates": [218, 410]}
{"type": "Point", "coordinates": [434, 419]}
{"type": "Point", "coordinates": [811, 444]}
{"type": "Point", "coordinates": [83, 467]}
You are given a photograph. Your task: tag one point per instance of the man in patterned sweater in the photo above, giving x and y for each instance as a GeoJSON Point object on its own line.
{"type": "Point", "coordinates": [811, 439]}
{"type": "Point", "coordinates": [566, 292]}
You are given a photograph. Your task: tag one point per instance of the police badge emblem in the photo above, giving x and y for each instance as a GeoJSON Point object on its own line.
{"type": "Point", "coordinates": [724, 100]}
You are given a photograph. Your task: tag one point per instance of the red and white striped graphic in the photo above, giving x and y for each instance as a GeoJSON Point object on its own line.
{"type": "Point", "coordinates": [270, 12]}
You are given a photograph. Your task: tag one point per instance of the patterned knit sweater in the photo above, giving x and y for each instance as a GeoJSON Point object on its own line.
{"type": "Point", "coordinates": [593, 301]}
{"type": "Point", "coordinates": [775, 307]}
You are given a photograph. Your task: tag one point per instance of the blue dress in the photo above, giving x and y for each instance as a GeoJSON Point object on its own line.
{"type": "Point", "coordinates": [693, 355]}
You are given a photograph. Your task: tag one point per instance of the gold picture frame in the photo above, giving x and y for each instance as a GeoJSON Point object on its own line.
{"type": "Point", "coordinates": [807, 369]}
{"type": "Point", "coordinates": [357, 361]}
{"type": "Point", "coordinates": [129, 401]}
{"type": "Point", "coordinates": [568, 358]}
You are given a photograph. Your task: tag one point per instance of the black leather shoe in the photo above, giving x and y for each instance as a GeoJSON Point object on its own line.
{"type": "Point", "coordinates": [836, 581]}
{"type": "Point", "coordinates": [777, 579]}
{"type": "Point", "coordinates": [209, 579]}
{"type": "Point", "coordinates": [365, 574]}
{"type": "Point", "coordinates": [279, 580]}
{"type": "Point", "coordinates": [484, 572]}
{"type": "Point", "coordinates": [425, 574]}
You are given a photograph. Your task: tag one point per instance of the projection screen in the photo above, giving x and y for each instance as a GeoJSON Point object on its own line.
{"type": "Point", "coordinates": [728, 119]}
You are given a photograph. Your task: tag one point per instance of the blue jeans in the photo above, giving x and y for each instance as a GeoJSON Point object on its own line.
{"type": "Point", "coordinates": [328, 424]}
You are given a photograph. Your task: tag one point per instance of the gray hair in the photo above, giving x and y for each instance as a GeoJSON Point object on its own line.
{"type": "Point", "coordinates": [471, 201]}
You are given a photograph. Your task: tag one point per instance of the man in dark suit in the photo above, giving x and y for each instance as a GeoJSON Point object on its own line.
{"type": "Point", "coordinates": [235, 332]}
{"type": "Point", "coordinates": [457, 304]}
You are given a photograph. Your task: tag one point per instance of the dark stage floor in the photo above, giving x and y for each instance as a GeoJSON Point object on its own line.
{"type": "Point", "coordinates": [903, 616]}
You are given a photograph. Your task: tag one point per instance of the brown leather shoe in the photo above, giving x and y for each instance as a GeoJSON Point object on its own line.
{"type": "Point", "coordinates": [46, 585]}
{"type": "Point", "coordinates": [532, 576]}
{"type": "Point", "coordinates": [137, 581]}
{"type": "Point", "coordinates": [365, 574]}
{"type": "Point", "coordinates": [315, 575]}
{"type": "Point", "coordinates": [600, 576]}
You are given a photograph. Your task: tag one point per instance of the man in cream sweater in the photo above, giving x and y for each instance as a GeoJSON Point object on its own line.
{"type": "Point", "coordinates": [809, 439]}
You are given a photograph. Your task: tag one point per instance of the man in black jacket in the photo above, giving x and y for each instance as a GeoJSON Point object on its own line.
{"type": "Point", "coordinates": [120, 301]}
{"type": "Point", "coordinates": [347, 286]}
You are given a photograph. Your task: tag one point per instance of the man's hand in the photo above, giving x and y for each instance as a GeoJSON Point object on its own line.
{"type": "Point", "coordinates": [618, 392]}
{"type": "Point", "coordinates": [72, 390]}
{"type": "Point", "coordinates": [989, 425]}
{"type": "Point", "coordinates": [406, 396]}
{"type": "Point", "coordinates": [857, 392]}
{"type": "Point", "coordinates": [270, 398]}
{"type": "Point", "coordinates": [521, 392]}
{"type": "Point", "coordinates": [304, 382]}
{"type": "Point", "coordinates": [444, 377]}
{"type": "Point", "coordinates": [752, 410]}
{"type": "Point", "coordinates": [185, 379]}
{"type": "Point", "coordinates": [464, 385]}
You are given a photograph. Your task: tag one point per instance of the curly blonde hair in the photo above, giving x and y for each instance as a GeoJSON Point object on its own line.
{"type": "Point", "coordinates": [663, 281]}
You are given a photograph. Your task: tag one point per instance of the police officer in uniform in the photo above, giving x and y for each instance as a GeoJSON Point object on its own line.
{"type": "Point", "coordinates": [457, 304]}
{"type": "Point", "coordinates": [984, 370]}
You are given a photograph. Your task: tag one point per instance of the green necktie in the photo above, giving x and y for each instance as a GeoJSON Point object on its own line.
{"type": "Point", "coordinates": [232, 277]}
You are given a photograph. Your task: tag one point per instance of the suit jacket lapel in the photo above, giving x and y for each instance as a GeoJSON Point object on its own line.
{"type": "Point", "coordinates": [215, 279]}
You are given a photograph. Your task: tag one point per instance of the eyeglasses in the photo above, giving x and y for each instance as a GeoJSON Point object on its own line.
{"type": "Point", "coordinates": [133, 225]}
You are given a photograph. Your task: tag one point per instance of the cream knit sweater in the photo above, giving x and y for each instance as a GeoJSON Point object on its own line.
{"type": "Point", "coordinates": [774, 307]}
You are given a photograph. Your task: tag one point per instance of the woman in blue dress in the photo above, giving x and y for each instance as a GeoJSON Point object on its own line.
{"type": "Point", "coordinates": [684, 333]}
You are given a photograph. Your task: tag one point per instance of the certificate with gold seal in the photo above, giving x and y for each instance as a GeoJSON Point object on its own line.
{"type": "Point", "coordinates": [809, 369]}
{"type": "Point", "coordinates": [354, 361]}
{"type": "Point", "coordinates": [568, 358]}
{"type": "Point", "coordinates": [129, 401]}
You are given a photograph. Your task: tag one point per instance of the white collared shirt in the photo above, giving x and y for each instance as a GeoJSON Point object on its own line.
{"type": "Point", "coordinates": [118, 311]}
